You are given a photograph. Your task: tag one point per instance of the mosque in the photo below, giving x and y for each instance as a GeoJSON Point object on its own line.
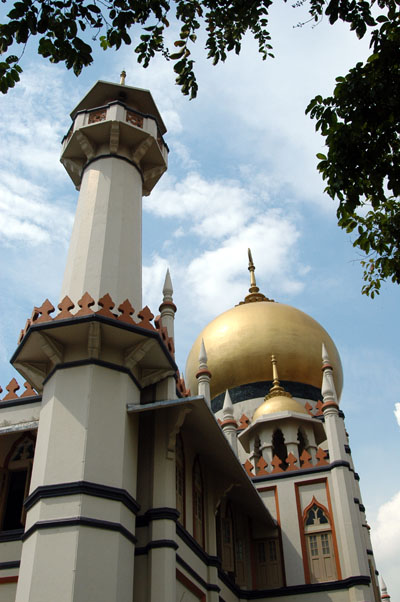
{"type": "Point", "coordinates": [122, 482]}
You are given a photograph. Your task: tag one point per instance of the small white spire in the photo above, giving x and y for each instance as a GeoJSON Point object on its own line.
{"type": "Point", "coordinates": [325, 356]}
{"type": "Point", "coordinates": [384, 594]}
{"type": "Point", "coordinates": [202, 356]}
{"type": "Point", "coordinates": [328, 389]}
{"type": "Point", "coordinates": [122, 78]}
{"type": "Point", "coordinates": [203, 375]}
{"type": "Point", "coordinates": [227, 410]}
{"type": "Point", "coordinates": [167, 288]}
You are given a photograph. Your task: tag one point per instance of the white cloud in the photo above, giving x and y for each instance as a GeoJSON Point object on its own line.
{"type": "Point", "coordinates": [27, 217]}
{"type": "Point", "coordinates": [385, 535]}
{"type": "Point", "coordinates": [397, 412]}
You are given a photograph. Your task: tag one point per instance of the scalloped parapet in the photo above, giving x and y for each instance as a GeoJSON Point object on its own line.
{"type": "Point", "coordinates": [181, 386]}
{"type": "Point", "coordinates": [42, 314]}
{"type": "Point", "coordinates": [277, 465]}
{"type": "Point", "coordinates": [12, 389]}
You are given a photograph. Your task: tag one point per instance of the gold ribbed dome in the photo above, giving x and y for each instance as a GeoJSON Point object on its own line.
{"type": "Point", "coordinates": [240, 342]}
{"type": "Point", "coordinates": [278, 404]}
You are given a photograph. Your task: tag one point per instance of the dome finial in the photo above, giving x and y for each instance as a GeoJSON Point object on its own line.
{"type": "Point", "coordinates": [275, 376]}
{"type": "Point", "coordinates": [254, 291]}
{"type": "Point", "coordinates": [253, 286]}
{"type": "Point", "coordinates": [276, 388]}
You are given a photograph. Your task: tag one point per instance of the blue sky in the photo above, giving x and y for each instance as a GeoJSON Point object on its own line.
{"type": "Point", "coordinates": [242, 173]}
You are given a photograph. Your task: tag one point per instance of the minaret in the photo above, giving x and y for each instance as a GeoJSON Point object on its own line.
{"type": "Point", "coordinates": [114, 153]}
{"type": "Point", "coordinates": [203, 375]}
{"type": "Point", "coordinates": [79, 540]}
{"type": "Point", "coordinates": [353, 556]}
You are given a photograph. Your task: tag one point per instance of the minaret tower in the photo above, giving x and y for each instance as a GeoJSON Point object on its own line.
{"type": "Point", "coordinates": [114, 153]}
{"type": "Point", "coordinates": [79, 539]}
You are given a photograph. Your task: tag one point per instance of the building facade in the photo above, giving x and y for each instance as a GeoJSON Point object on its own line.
{"type": "Point", "coordinates": [121, 483]}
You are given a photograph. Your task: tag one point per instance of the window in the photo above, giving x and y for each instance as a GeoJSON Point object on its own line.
{"type": "Point", "coordinates": [15, 480]}
{"type": "Point", "coordinates": [269, 570]}
{"type": "Point", "coordinates": [302, 441]}
{"type": "Point", "coordinates": [198, 504]}
{"type": "Point", "coordinates": [321, 556]}
{"type": "Point", "coordinates": [180, 479]}
{"type": "Point", "coordinates": [227, 559]}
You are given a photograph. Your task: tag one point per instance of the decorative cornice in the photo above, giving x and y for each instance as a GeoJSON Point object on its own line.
{"type": "Point", "coordinates": [82, 488]}
{"type": "Point", "coordinates": [10, 564]}
{"type": "Point", "coordinates": [293, 590]}
{"type": "Point", "coordinates": [164, 513]}
{"type": "Point", "coordinates": [12, 535]}
{"type": "Point", "coordinates": [91, 361]}
{"type": "Point", "coordinates": [156, 544]}
{"type": "Point", "coordinates": [80, 521]}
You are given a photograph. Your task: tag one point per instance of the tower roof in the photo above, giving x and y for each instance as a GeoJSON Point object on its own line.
{"type": "Point", "coordinates": [103, 93]}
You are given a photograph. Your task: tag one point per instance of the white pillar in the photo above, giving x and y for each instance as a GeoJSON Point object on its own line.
{"type": "Point", "coordinates": [105, 253]}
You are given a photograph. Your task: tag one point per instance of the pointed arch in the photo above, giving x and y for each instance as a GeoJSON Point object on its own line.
{"type": "Point", "coordinates": [302, 441]}
{"type": "Point", "coordinates": [320, 545]}
{"type": "Point", "coordinates": [320, 511]}
{"type": "Point", "coordinates": [279, 448]}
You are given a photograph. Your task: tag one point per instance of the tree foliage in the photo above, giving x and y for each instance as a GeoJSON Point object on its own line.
{"type": "Point", "coordinates": [62, 25]}
{"type": "Point", "coordinates": [360, 121]}
{"type": "Point", "coordinates": [361, 127]}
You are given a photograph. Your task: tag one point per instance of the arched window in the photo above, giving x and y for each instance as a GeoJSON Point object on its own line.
{"type": "Point", "coordinates": [279, 448]}
{"type": "Point", "coordinates": [15, 483]}
{"type": "Point", "coordinates": [198, 504]}
{"type": "Point", "coordinates": [320, 551]}
{"type": "Point", "coordinates": [302, 441]}
{"type": "Point", "coordinates": [180, 479]}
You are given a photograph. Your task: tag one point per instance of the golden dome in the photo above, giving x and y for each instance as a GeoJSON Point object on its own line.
{"type": "Point", "coordinates": [280, 403]}
{"type": "Point", "coordinates": [240, 342]}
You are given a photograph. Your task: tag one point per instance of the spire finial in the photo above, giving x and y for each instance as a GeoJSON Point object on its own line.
{"type": "Point", "coordinates": [227, 409]}
{"type": "Point", "coordinates": [276, 388]}
{"type": "Point", "coordinates": [253, 286]}
{"type": "Point", "coordinates": [167, 288]}
{"type": "Point", "coordinates": [123, 76]}
{"type": "Point", "coordinates": [202, 356]}
{"type": "Point", "coordinates": [275, 377]}
{"type": "Point", "coordinates": [254, 291]}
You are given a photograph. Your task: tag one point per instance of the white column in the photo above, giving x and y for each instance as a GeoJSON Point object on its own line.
{"type": "Point", "coordinates": [85, 434]}
{"type": "Point", "coordinates": [105, 253]}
